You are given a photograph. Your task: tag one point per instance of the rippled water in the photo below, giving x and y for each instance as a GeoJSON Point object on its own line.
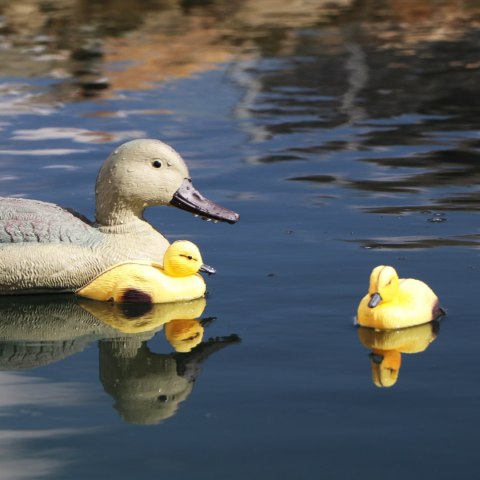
{"type": "Point", "coordinates": [346, 136]}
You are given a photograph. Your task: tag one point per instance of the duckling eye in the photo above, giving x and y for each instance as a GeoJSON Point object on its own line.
{"type": "Point", "coordinates": [189, 257]}
{"type": "Point", "coordinates": [156, 164]}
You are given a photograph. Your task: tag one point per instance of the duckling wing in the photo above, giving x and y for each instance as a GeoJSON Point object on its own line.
{"type": "Point", "coordinates": [23, 220]}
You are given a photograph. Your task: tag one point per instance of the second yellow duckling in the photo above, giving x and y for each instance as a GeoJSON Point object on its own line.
{"type": "Point", "coordinates": [392, 302]}
{"type": "Point", "coordinates": [149, 282]}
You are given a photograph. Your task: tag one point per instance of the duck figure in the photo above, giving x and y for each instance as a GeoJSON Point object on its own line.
{"type": "Point", "coordinates": [147, 282]}
{"type": "Point", "coordinates": [46, 248]}
{"type": "Point", "coordinates": [393, 303]}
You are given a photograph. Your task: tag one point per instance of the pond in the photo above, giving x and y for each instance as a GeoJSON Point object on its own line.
{"type": "Point", "coordinates": [346, 135]}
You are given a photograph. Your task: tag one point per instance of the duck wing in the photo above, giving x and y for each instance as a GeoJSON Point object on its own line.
{"type": "Point", "coordinates": [23, 220]}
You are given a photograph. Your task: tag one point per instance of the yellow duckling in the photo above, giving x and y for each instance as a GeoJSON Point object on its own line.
{"type": "Point", "coordinates": [396, 303]}
{"type": "Point", "coordinates": [148, 282]}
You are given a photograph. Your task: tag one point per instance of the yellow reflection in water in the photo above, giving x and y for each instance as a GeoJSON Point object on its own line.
{"type": "Point", "coordinates": [387, 347]}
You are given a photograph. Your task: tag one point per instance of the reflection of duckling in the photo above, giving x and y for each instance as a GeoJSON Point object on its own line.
{"type": "Point", "coordinates": [184, 334]}
{"type": "Point", "coordinates": [182, 330]}
{"type": "Point", "coordinates": [388, 345]}
{"type": "Point", "coordinates": [396, 303]}
{"type": "Point", "coordinates": [140, 317]}
{"type": "Point", "coordinates": [149, 282]}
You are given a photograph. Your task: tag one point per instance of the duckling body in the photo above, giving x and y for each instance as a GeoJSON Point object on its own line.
{"type": "Point", "coordinates": [393, 303]}
{"type": "Point", "coordinates": [136, 282]}
{"type": "Point", "coordinates": [46, 248]}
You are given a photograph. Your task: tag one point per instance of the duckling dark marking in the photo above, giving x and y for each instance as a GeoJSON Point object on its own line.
{"type": "Point", "coordinates": [132, 311]}
{"type": "Point", "coordinates": [133, 295]}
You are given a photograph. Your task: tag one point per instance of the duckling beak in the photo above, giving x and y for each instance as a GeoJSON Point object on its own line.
{"type": "Point", "coordinates": [207, 269]}
{"type": "Point", "coordinates": [188, 198]}
{"type": "Point", "coordinates": [374, 300]}
{"type": "Point", "coordinates": [376, 358]}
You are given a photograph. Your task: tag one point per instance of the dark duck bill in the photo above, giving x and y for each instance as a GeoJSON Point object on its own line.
{"type": "Point", "coordinates": [208, 269]}
{"type": "Point", "coordinates": [188, 198]}
{"type": "Point", "coordinates": [374, 300]}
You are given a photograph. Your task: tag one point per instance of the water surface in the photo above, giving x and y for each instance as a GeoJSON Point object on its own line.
{"type": "Point", "coordinates": [346, 136]}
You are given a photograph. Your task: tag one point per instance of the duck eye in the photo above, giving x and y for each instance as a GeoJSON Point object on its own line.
{"type": "Point", "coordinates": [189, 257]}
{"type": "Point", "coordinates": [156, 164]}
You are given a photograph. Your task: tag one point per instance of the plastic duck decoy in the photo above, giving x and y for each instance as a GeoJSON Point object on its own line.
{"type": "Point", "coordinates": [46, 248]}
{"type": "Point", "coordinates": [137, 282]}
{"type": "Point", "coordinates": [393, 303]}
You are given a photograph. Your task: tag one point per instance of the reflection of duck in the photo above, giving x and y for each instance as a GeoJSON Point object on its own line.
{"type": "Point", "coordinates": [149, 282]}
{"type": "Point", "coordinates": [39, 330]}
{"type": "Point", "coordinates": [388, 345]}
{"type": "Point", "coordinates": [148, 387]}
{"type": "Point", "coordinates": [396, 303]}
{"type": "Point", "coordinates": [47, 248]}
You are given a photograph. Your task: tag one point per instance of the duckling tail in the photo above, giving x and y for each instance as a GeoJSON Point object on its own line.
{"type": "Point", "coordinates": [438, 311]}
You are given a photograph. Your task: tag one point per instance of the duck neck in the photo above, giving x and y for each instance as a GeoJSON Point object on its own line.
{"type": "Point", "coordinates": [119, 216]}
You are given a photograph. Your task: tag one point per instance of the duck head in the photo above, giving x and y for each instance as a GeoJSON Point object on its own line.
{"type": "Point", "coordinates": [182, 258]}
{"type": "Point", "coordinates": [144, 173]}
{"type": "Point", "coordinates": [384, 285]}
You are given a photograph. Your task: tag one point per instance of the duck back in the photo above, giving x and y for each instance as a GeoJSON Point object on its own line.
{"type": "Point", "coordinates": [23, 220]}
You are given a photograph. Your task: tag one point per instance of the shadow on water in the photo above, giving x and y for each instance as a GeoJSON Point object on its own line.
{"type": "Point", "coordinates": [147, 387]}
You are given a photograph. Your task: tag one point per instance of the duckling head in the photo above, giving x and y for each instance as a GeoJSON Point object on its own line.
{"type": "Point", "coordinates": [385, 367]}
{"type": "Point", "coordinates": [182, 258]}
{"type": "Point", "coordinates": [184, 334]}
{"type": "Point", "coordinates": [384, 284]}
{"type": "Point", "coordinates": [147, 172]}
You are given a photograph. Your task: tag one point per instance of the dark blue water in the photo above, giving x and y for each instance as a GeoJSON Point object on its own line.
{"type": "Point", "coordinates": [346, 137]}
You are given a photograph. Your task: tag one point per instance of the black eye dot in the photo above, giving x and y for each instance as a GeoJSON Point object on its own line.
{"type": "Point", "coordinates": [156, 163]}
{"type": "Point", "coordinates": [189, 257]}
{"type": "Point", "coordinates": [162, 398]}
